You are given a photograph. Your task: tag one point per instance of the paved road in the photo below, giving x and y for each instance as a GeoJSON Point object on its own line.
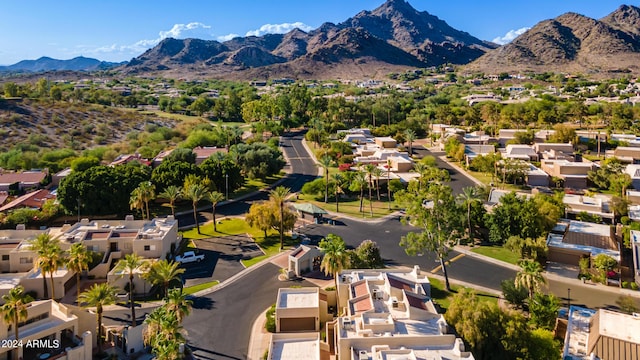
{"type": "Point", "coordinates": [458, 180]}
{"type": "Point", "coordinates": [220, 324]}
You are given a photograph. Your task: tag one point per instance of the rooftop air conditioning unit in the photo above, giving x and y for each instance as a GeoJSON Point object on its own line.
{"type": "Point", "coordinates": [363, 355]}
{"type": "Point", "coordinates": [394, 303]}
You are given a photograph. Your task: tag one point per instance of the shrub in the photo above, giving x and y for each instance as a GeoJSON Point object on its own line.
{"type": "Point", "coordinates": [625, 284]}
{"type": "Point", "coordinates": [515, 295]}
{"type": "Point", "coordinates": [270, 324]}
{"type": "Point", "coordinates": [634, 286]}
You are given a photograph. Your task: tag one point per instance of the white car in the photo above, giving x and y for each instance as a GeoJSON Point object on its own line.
{"type": "Point", "coordinates": [189, 257]}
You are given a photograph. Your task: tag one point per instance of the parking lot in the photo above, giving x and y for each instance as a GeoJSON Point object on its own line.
{"type": "Point", "coordinates": [222, 257]}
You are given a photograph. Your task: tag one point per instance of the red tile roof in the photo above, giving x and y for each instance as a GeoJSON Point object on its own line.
{"type": "Point", "coordinates": [362, 305]}
{"type": "Point", "coordinates": [416, 302]}
{"type": "Point", "coordinates": [360, 289]}
{"type": "Point", "coordinates": [395, 283]}
{"type": "Point", "coordinates": [27, 177]}
{"type": "Point", "coordinates": [33, 199]}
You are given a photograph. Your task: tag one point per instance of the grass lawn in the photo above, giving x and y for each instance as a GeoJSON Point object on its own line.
{"type": "Point", "coordinates": [252, 185]}
{"type": "Point", "coordinates": [498, 253]}
{"type": "Point", "coordinates": [270, 245]}
{"type": "Point", "coordinates": [443, 298]}
{"type": "Point", "coordinates": [352, 207]}
{"type": "Point", "coordinates": [195, 288]}
{"type": "Point", "coordinates": [488, 179]}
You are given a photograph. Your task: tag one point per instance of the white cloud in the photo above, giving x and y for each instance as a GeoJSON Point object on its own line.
{"type": "Point", "coordinates": [278, 28]}
{"type": "Point", "coordinates": [510, 36]}
{"type": "Point", "coordinates": [227, 37]}
{"type": "Point", "coordinates": [193, 29]}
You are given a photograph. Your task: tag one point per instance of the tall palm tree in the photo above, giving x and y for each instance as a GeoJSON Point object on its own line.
{"type": "Point", "coordinates": [162, 272]}
{"type": "Point", "coordinates": [128, 266]}
{"type": "Point", "coordinates": [338, 181]}
{"type": "Point", "coordinates": [171, 193]}
{"type": "Point", "coordinates": [147, 193]}
{"type": "Point", "coordinates": [14, 309]}
{"type": "Point", "coordinates": [78, 260]}
{"type": "Point", "coordinates": [389, 184]}
{"type": "Point", "coordinates": [370, 169]}
{"type": "Point", "coordinates": [41, 245]}
{"type": "Point", "coordinates": [136, 202]}
{"type": "Point", "coordinates": [325, 162]}
{"type": "Point", "coordinates": [164, 334]}
{"type": "Point", "coordinates": [178, 303]}
{"type": "Point", "coordinates": [214, 198]}
{"type": "Point", "coordinates": [99, 296]}
{"type": "Point", "coordinates": [468, 197]}
{"type": "Point", "coordinates": [359, 183]}
{"type": "Point", "coordinates": [377, 172]}
{"type": "Point", "coordinates": [50, 257]}
{"type": "Point", "coordinates": [530, 277]}
{"type": "Point", "coordinates": [410, 136]}
{"type": "Point", "coordinates": [336, 258]}
{"type": "Point", "coordinates": [279, 196]}
{"type": "Point", "coordinates": [195, 192]}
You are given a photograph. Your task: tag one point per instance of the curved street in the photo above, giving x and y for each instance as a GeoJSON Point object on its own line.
{"type": "Point", "coordinates": [219, 327]}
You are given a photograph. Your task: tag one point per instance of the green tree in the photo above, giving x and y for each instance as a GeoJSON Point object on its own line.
{"type": "Point", "coordinates": [136, 201]}
{"type": "Point", "coordinates": [359, 183]}
{"type": "Point", "coordinates": [99, 296]}
{"type": "Point", "coordinates": [84, 162]}
{"type": "Point", "coordinates": [410, 137]}
{"type": "Point", "coordinates": [370, 170]}
{"type": "Point", "coordinates": [147, 193]}
{"type": "Point", "coordinates": [195, 192]}
{"type": "Point", "coordinates": [128, 266]}
{"type": "Point", "coordinates": [377, 172]}
{"type": "Point", "coordinates": [604, 263]}
{"type": "Point", "coordinates": [627, 304]}
{"type": "Point", "coordinates": [164, 334]}
{"type": "Point", "coordinates": [214, 198]}
{"type": "Point", "coordinates": [173, 194]}
{"type": "Point", "coordinates": [515, 295]}
{"type": "Point", "coordinates": [338, 183]}
{"type": "Point", "coordinates": [261, 216]}
{"type": "Point", "coordinates": [368, 254]}
{"type": "Point", "coordinates": [325, 162]}
{"type": "Point", "coordinates": [336, 257]}
{"type": "Point", "coordinates": [543, 311]}
{"type": "Point", "coordinates": [440, 223]}
{"type": "Point", "coordinates": [278, 196]}
{"type": "Point", "coordinates": [50, 257]}
{"type": "Point", "coordinates": [530, 276]}
{"type": "Point", "coordinates": [14, 310]}
{"type": "Point", "coordinates": [78, 260]}
{"type": "Point", "coordinates": [163, 272]}
{"type": "Point", "coordinates": [170, 173]}
{"type": "Point", "coordinates": [514, 216]}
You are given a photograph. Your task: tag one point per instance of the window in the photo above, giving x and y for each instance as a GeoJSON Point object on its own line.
{"type": "Point", "coordinates": [5, 257]}
{"type": "Point", "coordinates": [147, 247]}
{"type": "Point", "coordinates": [25, 260]}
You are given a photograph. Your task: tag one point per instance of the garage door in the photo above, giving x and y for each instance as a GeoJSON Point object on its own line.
{"type": "Point", "coordinates": [298, 324]}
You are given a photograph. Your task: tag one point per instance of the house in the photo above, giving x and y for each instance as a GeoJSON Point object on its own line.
{"type": "Point", "coordinates": [628, 139]}
{"type": "Point", "coordinates": [157, 160]}
{"type": "Point", "coordinates": [554, 151]}
{"type": "Point", "coordinates": [473, 151]}
{"type": "Point", "coordinates": [301, 310]}
{"type": "Point", "coordinates": [32, 200]}
{"type": "Point", "coordinates": [520, 152]}
{"type": "Point", "coordinates": [598, 205]}
{"type": "Point", "coordinates": [386, 142]}
{"type": "Point", "coordinates": [543, 135]}
{"type": "Point", "coordinates": [574, 174]}
{"type": "Point", "coordinates": [496, 194]}
{"type": "Point", "coordinates": [356, 138]}
{"type": "Point", "coordinates": [203, 153]}
{"type": "Point", "coordinates": [634, 171]}
{"type": "Point", "coordinates": [57, 177]}
{"type": "Point", "coordinates": [304, 259]}
{"type": "Point", "coordinates": [601, 334]}
{"type": "Point", "coordinates": [127, 158]}
{"type": "Point", "coordinates": [536, 177]}
{"type": "Point", "coordinates": [626, 154]}
{"type": "Point", "coordinates": [504, 135]}
{"type": "Point", "coordinates": [476, 138]}
{"type": "Point", "coordinates": [24, 180]}
{"type": "Point", "coordinates": [54, 323]}
{"type": "Point", "coordinates": [572, 240]}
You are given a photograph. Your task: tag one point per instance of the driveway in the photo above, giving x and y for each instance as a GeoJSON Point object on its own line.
{"type": "Point", "coordinates": [222, 257]}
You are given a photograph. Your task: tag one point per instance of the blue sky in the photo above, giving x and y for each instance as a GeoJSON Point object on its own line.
{"type": "Point", "coordinates": [119, 30]}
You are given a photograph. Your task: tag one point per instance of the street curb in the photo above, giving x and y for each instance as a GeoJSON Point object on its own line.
{"type": "Point", "coordinates": [454, 281]}
{"type": "Point", "coordinates": [256, 351]}
{"type": "Point", "coordinates": [312, 156]}
{"type": "Point", "coordinates": [461, 171]}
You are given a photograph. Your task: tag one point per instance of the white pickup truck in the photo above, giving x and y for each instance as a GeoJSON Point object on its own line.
{"type": "Point", "coordinates": [189, 257]}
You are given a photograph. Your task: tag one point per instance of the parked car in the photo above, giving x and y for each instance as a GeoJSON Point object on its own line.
{"type": "Point", "coordinates": [189, 257]}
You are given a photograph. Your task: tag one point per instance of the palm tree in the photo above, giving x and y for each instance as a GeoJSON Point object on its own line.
{"type": "Point", "coordinates": [147, 193]}
{"type": "Point", "coordinates": [370, 169]}
{"type": "Point", "coordinates": [410, 136]}
{"type": "Point", "coordinates": [377, 172]}
{"type": "Point", "coordinates": [530, 277]}
{"type": "Point", "coordinates": [325, 162]}
{"type": "Point", "coordinates": [338, 181]}
{"type": "Point", "coordinates": [171, 193]}
{"type": "Point", "coordinates": [336, 257]}
{"type": "Point", "coordinates": [135, 201]}
{"type": "Point", "coordinates": [195, 192]}
{"type": "Point", "coordinates": [389, 184]}
{"type": "Point", "coordinates": [360, 182]}
{"type": "Point", "coordinates": [14, 309]}
{"type": "Point", "coordinates": [50, 257]}
{"type": "Point", "coordinates": [99, 296]}
{"type": "Point", "coordinates": [178, 303]}
{"type": "Point", "coordinates": [40, 245]}
{"type": "Point", "coordinates": [214, 198]}
{"type": "Point", "coordinates": [468, 197]}
{"type": "Point", "coordinates": [78, 260]}
{"type": "Point", "coordinates": [164, 334]}
{"type": "Point", "coordinates": [279, 196]}
{"type": "Point", "coordinates": [162, 272]}
{"type": "Point", "coordinates": [128, 266]}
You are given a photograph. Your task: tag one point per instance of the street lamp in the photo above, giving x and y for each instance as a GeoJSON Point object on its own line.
{"type": "Point", "coordinates": [226, 183]}
{"type": "Point", "coordinates": [568, 300]}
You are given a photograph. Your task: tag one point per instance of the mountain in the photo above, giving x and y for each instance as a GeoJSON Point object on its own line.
{"type": "Point", "coordinates": [572, 43]}
{"type": "Point", "coordinates": [391, 37]}
{"type": "Point", "coordinates": [79, 63]}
